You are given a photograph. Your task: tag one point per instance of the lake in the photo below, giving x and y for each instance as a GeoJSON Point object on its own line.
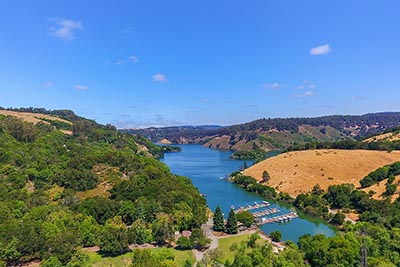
{"type": "Point", "coordinates": [207, 167]}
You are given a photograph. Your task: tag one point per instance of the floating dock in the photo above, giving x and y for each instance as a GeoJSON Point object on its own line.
{"type": "Point", "coordinates": [259, 214]}
{"type": "Point", "coordinates": [279, 219]}
{"type": "Point", "coordinates": [256, 205]}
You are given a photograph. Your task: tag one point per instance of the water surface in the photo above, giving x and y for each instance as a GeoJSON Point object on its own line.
{"type": "Point", "coordinates": [207, 168]}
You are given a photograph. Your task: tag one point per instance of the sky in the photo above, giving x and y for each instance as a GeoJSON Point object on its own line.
{"type": "Point", "coordinates": [160, 63]}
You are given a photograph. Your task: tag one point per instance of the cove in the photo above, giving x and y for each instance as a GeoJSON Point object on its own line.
{"type": "Point", "coordinates": [207, 167]}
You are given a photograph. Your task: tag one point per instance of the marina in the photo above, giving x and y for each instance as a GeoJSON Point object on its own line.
{"type": "Point", "coordinates": [263, 211]}
{"type": "Point", "coordinates": [279, 219]}
{"type": "Point", "coordinates": [256, 205]}
{"type": "Point", "coordinates": [206, 166]}
{"type": "Point", "coordinates": [270, 211]}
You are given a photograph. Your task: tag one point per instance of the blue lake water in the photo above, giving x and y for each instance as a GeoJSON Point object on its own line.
{"type": "Point", "coordinates": [205, 167]}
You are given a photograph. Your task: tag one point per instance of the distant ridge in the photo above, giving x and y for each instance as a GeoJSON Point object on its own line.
{"type": "Point", "coordinates": [276, 133]}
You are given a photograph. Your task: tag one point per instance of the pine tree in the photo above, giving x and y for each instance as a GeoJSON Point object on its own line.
{"type": "Point", "coordinates": [218, 220]}
{"type": "Point", "coordinates": [231, 225]}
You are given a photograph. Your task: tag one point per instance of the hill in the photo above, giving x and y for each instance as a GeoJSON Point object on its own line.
{"type": "Point", "coordinates": [298, 172]}
{"type": "Point", "coordinates": [380, 188]}
{"type": "Point", "coordinates": [389, 135]}
{"type": "Point", "coordinates": [279, 133]}
{"type": "Point", "coordinates": [97, 186]}
{"type": "Point", "coordinates": [63, 125]}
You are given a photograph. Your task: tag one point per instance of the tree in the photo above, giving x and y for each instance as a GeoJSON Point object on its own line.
{"type": "Point", "coordinates": [390, 189]}
{"type": "Point", "coordinates": [10, 252]}
{"type": "Point", "coordinates": [218, 220]}
{"type": "Point", "coordinates": [113, 241]}
{"type": "Point", "coordinates": [51, 262]}
{"type": "Point", "coordinates": [245, 165]}
{"type": "Point", "coordinates": [198, 239]}
{"type": "Point", "coordinates": [338, 218]}
{"type": "Point", "coordinates": [276, 236]}
{"type": "Point", "coordinates": [231, 224]}
{"type": "Point", "coordinates": [188, 263]}
{"type": "Point", "coordinates": [162, 229]}
{"type": "Point", "coordinates": [184, 243]}
{"type": "Point", "coordinates": [265, 176]}
{"type": "Point", "coordinates": [245, 217]}
{"type": "Point", "coordinates": [252, 240]}
{"type": "Point", "coordinates": [144, 258]}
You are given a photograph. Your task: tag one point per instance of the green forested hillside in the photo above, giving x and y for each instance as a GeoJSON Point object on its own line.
{"type": "Point", "coordinates": [278, 133]}
{"type": "Point", "coordinates": [61, 192]}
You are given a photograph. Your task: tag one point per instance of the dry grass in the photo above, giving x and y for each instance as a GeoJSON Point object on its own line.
{"type": "Point", "coordinates": [165, 142]}
{"type": "Point", "coordinates": [32, 117]}
{"type": "Point", "coordinates": [221, 142]}
{"type": "Point", "coordinates": [101, 190]}
{"type": "Point", "coordinates": [384, 137]}
{"type": "Point", "coordinates": [380, 188]}
{"type": "Point", "coordinates": [298, 172]}
{"type": "Point", "coordinates": [108, 176]}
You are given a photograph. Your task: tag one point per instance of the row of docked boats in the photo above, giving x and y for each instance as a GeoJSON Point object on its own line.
{"type": "Point", "coordinates": [266, 212]}
{"type": "Point", "coordinates": [280, 219]}
{"type": "Point", "coordinates": [255, 206]}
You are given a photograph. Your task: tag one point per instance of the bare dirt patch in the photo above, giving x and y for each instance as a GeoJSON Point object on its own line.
{"type": "Point", "coordinates": [298, 172]}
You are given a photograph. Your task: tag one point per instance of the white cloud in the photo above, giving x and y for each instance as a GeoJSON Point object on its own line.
{"type": "Point", "coordinates": [81, 87]}
{"type": "Point", "coordinates": [320, 50]}
{"type": "Point", "coordinates": [65, 29]}
{"type": "Point", "coordinates": [47, 84]}
{"type": "Point", "coordinates": [309, 93]}
{"type": "Point", "coordinates": [134, 59]}
{"type": "Point", "coordinates": [119, 62]}
{"type": "Point", "coordinates": [307, 85]}
{"type": "Point", "coordinates": [305, 94]}
{"type": "Point", "coordinates": [274, 85]}
{"type": "Point", "coordinates": [358, 97]}
{"type": "Point", "coordinates": [159, 78]}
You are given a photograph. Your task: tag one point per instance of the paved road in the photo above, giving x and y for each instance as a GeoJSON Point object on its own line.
{"type": "Point", "coordinates": [207, 229]}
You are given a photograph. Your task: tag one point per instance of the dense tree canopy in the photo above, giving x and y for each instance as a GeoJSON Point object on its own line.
{"type": "Point", "coordinates": [60, 192]}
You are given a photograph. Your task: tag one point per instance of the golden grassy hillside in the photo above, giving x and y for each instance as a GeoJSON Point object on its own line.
{"type": "Point", "coordinates": [35, 118]}
{"type": "Point", "coordinates": [384, 137]}
{"type": "Point", "coordinates": [380, 188]}
{"type": "Point", "coordinates": [298, 172]}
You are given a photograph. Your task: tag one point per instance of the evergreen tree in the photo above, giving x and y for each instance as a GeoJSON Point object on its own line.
{"type": "Point", "coordinates": [265, 176]}
{"type": "Point", "coordinates": [218, 220]}
{"type": "Point", "coordinates": [231, 225]}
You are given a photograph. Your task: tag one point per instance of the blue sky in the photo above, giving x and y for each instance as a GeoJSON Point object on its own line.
{"type": "Point", "coordinates": [142, 63]}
